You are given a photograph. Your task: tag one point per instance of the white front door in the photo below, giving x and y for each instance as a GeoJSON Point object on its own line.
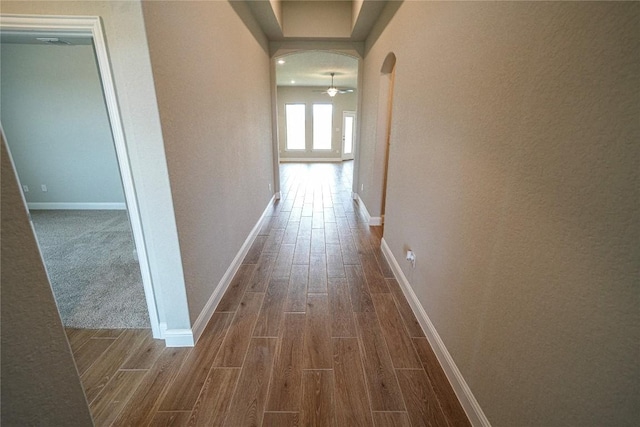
{"type": "Point", "coordinates": [348, 134]}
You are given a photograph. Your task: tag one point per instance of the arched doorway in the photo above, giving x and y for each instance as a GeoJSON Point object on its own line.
{"type": "Point", "coordinates": [307, 73]}
{"type": "Point", "coordinates": [383, 128]}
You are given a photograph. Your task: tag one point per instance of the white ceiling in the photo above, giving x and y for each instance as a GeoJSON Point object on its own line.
{"type": "Point", "coordinates": [314, 68]}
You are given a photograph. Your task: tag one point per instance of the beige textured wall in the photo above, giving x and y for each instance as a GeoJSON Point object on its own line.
{"type": "Point", "coordinates": [514, 176]}
{"type": "Point", "coordinates": [310, 96]}
{"type": "Point", "coordinates": [40, 383]}
{"type": "Point", "coordinates": [316, 19]}
{"type": "Point", "coordinates": [369, 178]}
{"type": "Point", "coordinates": [129, 60]}
{"type": "Point", "coordinates": [214, 96]}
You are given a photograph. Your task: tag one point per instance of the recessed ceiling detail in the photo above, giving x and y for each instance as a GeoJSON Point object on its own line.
{"type": "Point", "coordinates": [345, 20]}
{"type": "Point", "coordinates": [314, 68]}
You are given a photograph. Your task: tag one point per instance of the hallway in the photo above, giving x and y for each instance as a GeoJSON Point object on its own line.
{"type": "Point", "coordinates": [313, 330]}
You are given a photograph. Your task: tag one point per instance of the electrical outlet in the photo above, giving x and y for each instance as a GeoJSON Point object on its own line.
{"type": "Point", "coordinates": [361, 187]}
{"type": "Point", "coordinates": [25, 188]}
{"type": "Point", "coordinates": [43, 187]}
{"type": "Point", "coordinates": [269, 187]}
{"type": "Point", "coordinates": [411, 257]}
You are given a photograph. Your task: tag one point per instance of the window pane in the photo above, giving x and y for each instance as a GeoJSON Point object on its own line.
{"type": "Point", "coordinates": [322, 123]}
{"type": "Point", "coordinates": [294, 116]}
{"type": "Point", "coordinates": [348, 134]}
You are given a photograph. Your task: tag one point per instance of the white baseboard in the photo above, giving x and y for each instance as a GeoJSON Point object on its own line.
{"type": "Point", "coordinates": [178, 338]}
{"type": "Point", "coordinates": [210, 307]}
{"type": "Point", "coordinates": [75, 206]}
{"type": "Point", "coordinates": [372, 220]}
{"type": "Point", "coordinates": [310, 159]}
{"type": "Point", "coordinates": [462, 390]}
{"type": "Point", "coordinates": [375, 220]}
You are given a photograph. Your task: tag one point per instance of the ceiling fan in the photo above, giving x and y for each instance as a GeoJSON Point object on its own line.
{"type": "Point", "coordinates": [333, 91]}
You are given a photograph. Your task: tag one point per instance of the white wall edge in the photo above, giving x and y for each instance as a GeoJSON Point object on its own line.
{"type": "Point", "coordinates": [178, 338]}
{"type": "Point", "coordinates": [375, 220]}
{"type": "Point", "coordinates": [277, 195]}
{"type": "Point", "coordinates": [210, 307]}
{"type": "Point", "coordinates": [462, 390]}
{"type": "Point", "coordinates": [76, 206]}
{"type": "Point", "coordinates": [310, 159]}
{"type": "Point", "coordinates": [371, 220]}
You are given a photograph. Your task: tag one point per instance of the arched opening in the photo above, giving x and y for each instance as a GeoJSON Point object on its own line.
{"type": "Point", "coordinates": [315, 106]}
{"type": "Point", "coordinates": [383, 129]}
{"type": "Point", "coordinates": [306, 79]}
{"type": "Point", "coordinates": [389, 64]}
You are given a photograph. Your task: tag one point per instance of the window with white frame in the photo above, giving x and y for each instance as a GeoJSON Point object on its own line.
{"type": "Point", "coordinates": [295, 122]}
{"type": "Point", "coordinates": [322, 125]}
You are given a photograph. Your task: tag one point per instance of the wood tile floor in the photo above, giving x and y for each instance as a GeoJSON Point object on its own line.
{"type": "Point", "coordinates": [313, 331]}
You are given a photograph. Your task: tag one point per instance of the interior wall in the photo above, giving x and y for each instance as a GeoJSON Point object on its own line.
{"type": "Point", "coordinates": [316, 19]}
{"type": "Point", "coordinates": [276, 5]}
{"type": "Point", "coordinates": [214, 94]}
{"type": "Point", "coordinates": [129, 59]}
{"type": "Point", "coordinates": [40, 383]}
{"type": "Point", "coordinates": [55, 118]}
{"type": "Point", "coordinates": [514, 178]}
{"type": "Point", "coordinates": [310, 96]}
{"type": "Point", "coordinates": [356, 6]}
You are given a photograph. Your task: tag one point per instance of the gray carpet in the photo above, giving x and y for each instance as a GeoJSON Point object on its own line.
{"type": "Point", "coordinates": [95, 277]}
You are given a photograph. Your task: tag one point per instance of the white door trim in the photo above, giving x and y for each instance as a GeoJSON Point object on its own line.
{"type": "Point", "coordinates": [92, 26]}
{"type": "Point", "coordinates": [349, 156]}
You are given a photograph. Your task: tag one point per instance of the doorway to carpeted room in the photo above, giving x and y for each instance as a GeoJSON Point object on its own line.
{"type": "Point", "coordinates": [92, 266]}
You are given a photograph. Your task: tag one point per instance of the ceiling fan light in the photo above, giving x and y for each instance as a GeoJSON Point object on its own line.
{"type": "Point", "coordinates": [332, 91]}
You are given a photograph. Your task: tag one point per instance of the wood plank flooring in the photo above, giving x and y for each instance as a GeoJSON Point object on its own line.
{"type": "Point", "coordinates": [312, 331]}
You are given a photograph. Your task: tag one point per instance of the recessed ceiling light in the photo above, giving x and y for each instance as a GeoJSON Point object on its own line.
{"type": "Point", "coordinates": [293, 82]}
{"type": "Point", "coordinates": [281, 61]}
